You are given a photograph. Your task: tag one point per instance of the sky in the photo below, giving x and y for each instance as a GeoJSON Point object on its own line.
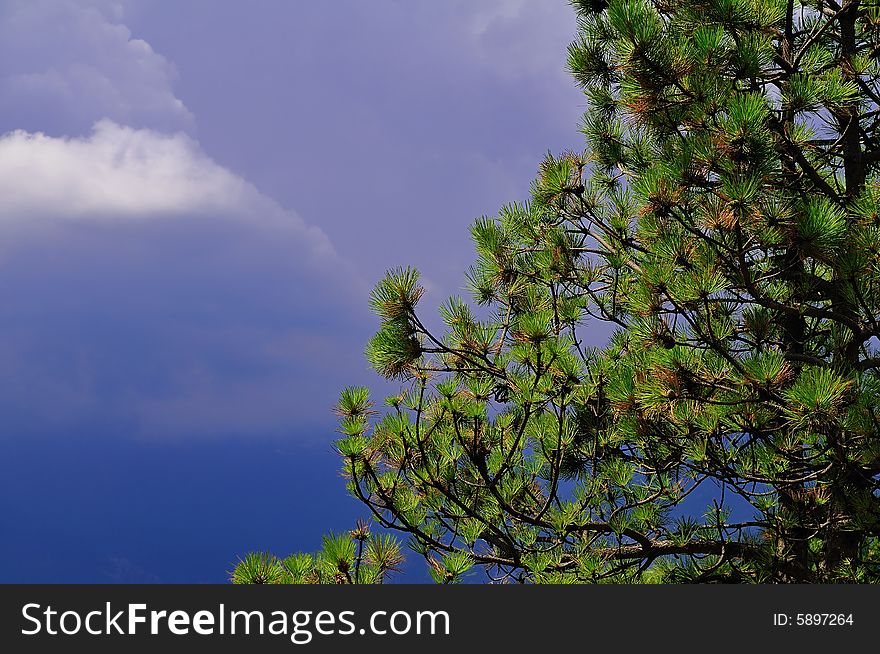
{"type": "Point", "coordinates": [195, 200]}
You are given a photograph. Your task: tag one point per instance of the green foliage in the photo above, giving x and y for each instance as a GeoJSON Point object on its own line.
{"type": "Point", "coordinates": [396, 346]}
{"type": "Point", "coordinates": [724, 220]}
{"type": "Point", "coordinates": [258, 568]}
{"type": "Point", "coordinates": [356, 557]}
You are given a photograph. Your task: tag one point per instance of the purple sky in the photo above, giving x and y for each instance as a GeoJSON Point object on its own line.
{"type": "Point", "coordinates": [195, 198]}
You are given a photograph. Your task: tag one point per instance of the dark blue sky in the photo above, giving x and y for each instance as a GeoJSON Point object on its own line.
{"type": "Point", "coordinates": [195, 198]}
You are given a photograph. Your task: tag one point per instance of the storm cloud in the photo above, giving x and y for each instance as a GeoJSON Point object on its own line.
{"type": "Point", "coordinates": [142, 280]}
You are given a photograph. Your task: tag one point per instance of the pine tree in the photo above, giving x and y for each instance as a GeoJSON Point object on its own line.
{"type": "Point", "coordinates": [724, 219]}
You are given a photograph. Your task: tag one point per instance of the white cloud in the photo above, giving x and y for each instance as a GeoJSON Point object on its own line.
{"type": "Point", "coordinates": [66, 63]}
{"type": "Point", "coordinates": [118, 173]}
